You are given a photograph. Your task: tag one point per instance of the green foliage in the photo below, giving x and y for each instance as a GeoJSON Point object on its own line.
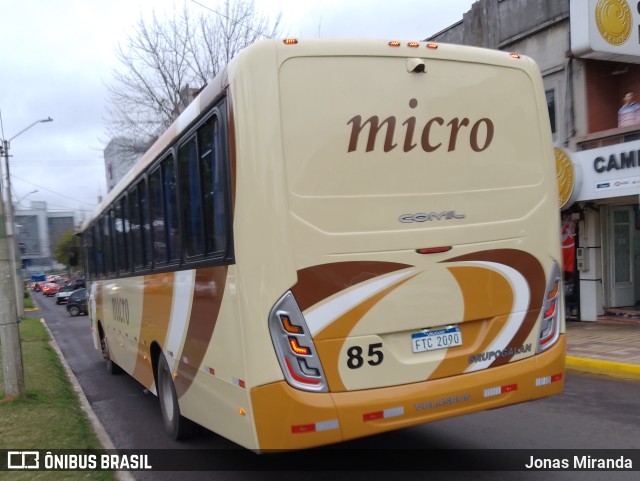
{"type": "Point", "coordinates": [68, 243]}
{"type": "Point", "coordinates": [49, 416]}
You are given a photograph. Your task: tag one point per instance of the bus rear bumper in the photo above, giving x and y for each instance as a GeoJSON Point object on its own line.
{"type": "Point", "coordinates": [287, 418]}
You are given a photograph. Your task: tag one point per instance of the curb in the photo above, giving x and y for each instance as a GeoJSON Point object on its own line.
{"type": "Point", "coordinates": [600, 366]}
{"type": "Point", "coordinates": [101, 433]}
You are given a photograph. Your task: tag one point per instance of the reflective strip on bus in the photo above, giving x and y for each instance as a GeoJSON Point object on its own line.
{"type": "Point", "coordinates": [384, 414]}
{"type": "Point", "coordinates": [315, 427]}
{"type": "Point", "coordinates": [496, 391]}
{"type": "Point", "coordinates": [543, 381]}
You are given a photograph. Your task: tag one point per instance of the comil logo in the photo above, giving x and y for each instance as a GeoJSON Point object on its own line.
{"type": "Point", "coordinates": [613, 18]}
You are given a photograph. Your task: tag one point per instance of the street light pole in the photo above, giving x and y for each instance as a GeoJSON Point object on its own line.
{"type": "Point", "coordinates": [10, 294]}
{"type": "Point", "coordinates": [25, 196]}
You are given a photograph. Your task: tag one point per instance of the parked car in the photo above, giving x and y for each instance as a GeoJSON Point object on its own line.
{"type": "Point", "coordinates": [77, 302]}
{"type": "Point", "coordinates": [63, 294]}
{"type": "Point", "coordinates": [50, 289]}
{"type": "Point", "coordinates": [77, 283]}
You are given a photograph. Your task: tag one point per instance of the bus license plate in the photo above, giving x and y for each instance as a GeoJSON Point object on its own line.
{"type": "Point", "coordinates": [436, 339]}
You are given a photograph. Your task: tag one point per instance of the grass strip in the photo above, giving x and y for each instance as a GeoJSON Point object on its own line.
{"type": "Point", "coordinates": [49, 416]}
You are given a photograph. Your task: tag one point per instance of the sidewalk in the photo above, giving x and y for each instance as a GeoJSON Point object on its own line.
{"type": "Point", "coordinates": [610, 346]}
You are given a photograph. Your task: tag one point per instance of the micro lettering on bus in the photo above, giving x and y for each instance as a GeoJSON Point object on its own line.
{"type": "Point", "coordinates": [120, 309]}
{"type": "Point", "coordinates": [478, 134]}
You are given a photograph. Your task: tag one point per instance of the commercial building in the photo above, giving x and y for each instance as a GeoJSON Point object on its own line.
{"type": "Point", "coordinates": [588, 52]}
{"type": "Point", "coordinates": [38, 232]}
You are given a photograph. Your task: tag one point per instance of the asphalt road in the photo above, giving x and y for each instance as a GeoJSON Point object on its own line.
{"type": "Point", "coordinates": [594, 413]}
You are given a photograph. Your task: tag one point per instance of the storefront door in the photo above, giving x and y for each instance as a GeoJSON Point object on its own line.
{"type": "Point", "coordinates": [622, 229]}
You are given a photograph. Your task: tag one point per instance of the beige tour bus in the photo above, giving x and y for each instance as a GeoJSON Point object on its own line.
{"type": "Point", "coordinates": [335, 239]}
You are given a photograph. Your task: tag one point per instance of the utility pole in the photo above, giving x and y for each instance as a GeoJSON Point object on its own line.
{"type": "Point", "coordinates": [9, 333]}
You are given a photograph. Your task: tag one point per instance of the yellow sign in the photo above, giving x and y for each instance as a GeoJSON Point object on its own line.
{"type": "Point", "coordinates": [566, 176]}
{"type": "Point", "coordinates": [613, 18]}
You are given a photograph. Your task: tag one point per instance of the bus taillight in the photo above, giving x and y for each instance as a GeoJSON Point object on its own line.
{"type": "Point", "coordinates": [297, 348]}
{"type": "Point", "coordinates": [294, 346]}
{"type": "Point", "coordinates": [551, 309]}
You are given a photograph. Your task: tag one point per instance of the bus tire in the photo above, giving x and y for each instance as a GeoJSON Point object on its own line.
{"type": "Point", "coordinates": [176, 425]}
{"type": "Point", "coordinates": [112, 367]}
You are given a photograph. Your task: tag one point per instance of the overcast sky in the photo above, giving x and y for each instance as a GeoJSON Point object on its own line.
{"type": "Point", "coordinates": [57, 56]}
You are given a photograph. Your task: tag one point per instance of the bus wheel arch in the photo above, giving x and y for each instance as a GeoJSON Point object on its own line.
{"type": "Point", "coordinates": [112, 367]}
{"type": "Point", "coordinates": [155, 351]}
{"type": "Point", "coordinates": [177, 426]}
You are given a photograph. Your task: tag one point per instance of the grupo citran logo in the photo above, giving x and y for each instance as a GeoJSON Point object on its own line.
{"type": "Point", "coordinates": [566, 176]}
{"type": "Point", "coordinates": [613, 18]}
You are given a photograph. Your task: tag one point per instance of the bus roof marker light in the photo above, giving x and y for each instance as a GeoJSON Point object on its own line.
{"type": "Point", "coordinates": [394, 43]}
{"type": "Point", "coordinates": [432, 46]}
{"type": "Point", "coordinates": [413, 44]}
{"type": "Point", "coordinates": [514, 55]}
{"type": "Point", "coordinates": [290, 41]}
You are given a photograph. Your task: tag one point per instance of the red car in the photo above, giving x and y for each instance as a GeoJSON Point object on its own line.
{"type": "Point", "coordinates": [50, 289]}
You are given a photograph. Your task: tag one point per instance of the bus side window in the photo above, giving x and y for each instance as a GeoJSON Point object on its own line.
{"type": "Point", "coordinates": [121, 228]}
{"type": "Point", "coordinates": [97, 237]}
{"type": "Point", "coordinates": [90, 252]}
{"type": "Point", "coordinates": [213, 186]}
{"type": "Point", "coordinates": [169, 190]}
{"type": "Point", "coordinates": [157, 216]}
{"type": "Point", "coordinates": [145, 224]}
{"type": "Point", "coordinates": [135, 230]}
{"type": "Point", "coordinates": [191, 198]}
{"type": "Point", "coordinates": [107, 240]}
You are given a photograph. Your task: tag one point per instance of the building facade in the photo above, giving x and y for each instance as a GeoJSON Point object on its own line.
{"type": "Point", "coordinates": [588, 52]}
{"type": "Point", "coordinates": [38, 232]}
{"type": "Point", "coordinates": [119, 156]}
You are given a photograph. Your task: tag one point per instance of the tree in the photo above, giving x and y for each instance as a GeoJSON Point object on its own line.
{"type": "Point", "coordinates": [166, 62]}
{"type": "Point", "coordinates": [67, 248]}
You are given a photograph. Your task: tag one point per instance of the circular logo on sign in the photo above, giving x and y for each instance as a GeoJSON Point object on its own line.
{"type": "Point", "coordinates": [566, 176]}
{"type": "Point", "coordinates": [613, 19]}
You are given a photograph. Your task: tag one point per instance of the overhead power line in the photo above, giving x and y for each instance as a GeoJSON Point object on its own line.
{"type": "Point", "coordinates": [53, 191]}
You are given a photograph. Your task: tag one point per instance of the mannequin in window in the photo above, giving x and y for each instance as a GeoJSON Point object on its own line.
{"type": "Point", "coordinates": [629, 113]}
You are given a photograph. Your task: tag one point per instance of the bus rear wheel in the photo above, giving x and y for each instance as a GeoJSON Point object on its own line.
{"type": "Point", "coordinates": [112, 367]}
{"type": "Point", "coordinates": [176, 425]}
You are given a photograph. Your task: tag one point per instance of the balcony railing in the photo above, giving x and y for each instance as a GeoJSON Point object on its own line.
{"type": "Point", "coordinates": [606, 137]}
